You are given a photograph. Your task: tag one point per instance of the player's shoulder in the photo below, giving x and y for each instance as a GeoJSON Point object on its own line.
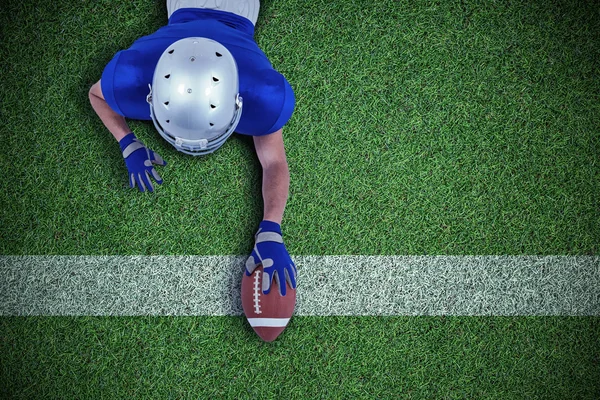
{"type": "Point", "coordinates": [269, 102]}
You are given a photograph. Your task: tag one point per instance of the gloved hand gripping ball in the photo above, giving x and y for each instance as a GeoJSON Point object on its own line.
{"type": "Point", "coordinates": [269, 311]}
{"type": "Point", "coordinates": [270, 252]}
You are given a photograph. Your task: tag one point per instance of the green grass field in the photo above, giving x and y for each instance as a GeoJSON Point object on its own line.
{"type": "Point", "coordinates": [317, 357]}
{"type": "Point", "coordinates": [439, 128]}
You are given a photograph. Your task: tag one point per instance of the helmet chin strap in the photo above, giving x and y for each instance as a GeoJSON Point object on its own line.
{"type": "Point", "coordinates": [201, 146]}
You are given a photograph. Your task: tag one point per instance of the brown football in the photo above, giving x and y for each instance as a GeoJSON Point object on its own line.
{"type": "Point", "coordinates": [268, 314]}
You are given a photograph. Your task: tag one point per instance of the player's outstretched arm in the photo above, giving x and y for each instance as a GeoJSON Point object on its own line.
{"type": "Point", "coordinates": [139, 159]}
{"type": "Point", "coordinates": [276, 176]}
{"type": "Point", "coordinates": [269, 249]}
{"type": "Point", "coordinates": [114, 122]}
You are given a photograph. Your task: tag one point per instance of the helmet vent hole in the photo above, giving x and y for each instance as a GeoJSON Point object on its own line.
{"type": "Point", "coordinates": [215, 79]}
{"type": "Point", "coordinates": [167, 121]}
{"type": "Point", "coordinates": [211, 124]}
{"type": "Point", "coordinates": [213, 106]}
{"type": "Point", "coordinates": [166, 103]}
{"type": "Point", "coordinates": [167, 76]}
{"type": "Point", "coordinates": [171, 51]}
{"type": "Point", "coordinates": [218, 54]}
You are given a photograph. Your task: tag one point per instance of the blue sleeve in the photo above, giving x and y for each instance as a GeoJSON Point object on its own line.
{"type": "Point", "coordinates": [268, 103]}
{"type": "Point", "coordinates": [107, 84]}
{"type": "Point", "coordinates": [125, 82]}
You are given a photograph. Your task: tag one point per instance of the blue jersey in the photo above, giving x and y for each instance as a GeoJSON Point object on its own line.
{"type": "Point", "coordinates": [268, 97]}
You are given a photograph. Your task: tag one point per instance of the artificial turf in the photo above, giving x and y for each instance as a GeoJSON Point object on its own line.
{"type": "Point", "coordinates": [316, 357]}
{"type": "Point", "coordinates": [420, 128]}
{"type": "Point", "coordinates": [463, 127]}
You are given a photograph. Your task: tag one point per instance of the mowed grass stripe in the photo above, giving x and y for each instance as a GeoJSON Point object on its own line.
{"type": "Point", "coordinates": [329, 285]}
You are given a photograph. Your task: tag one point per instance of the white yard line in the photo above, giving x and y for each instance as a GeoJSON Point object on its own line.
{"type": "Point", "coordinates": [328, 285]}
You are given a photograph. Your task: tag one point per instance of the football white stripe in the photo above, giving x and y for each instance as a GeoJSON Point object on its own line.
{"type": "Point", "coordinates": [328, 285]}
{"type": "Point", "coordinates": [268, 322]}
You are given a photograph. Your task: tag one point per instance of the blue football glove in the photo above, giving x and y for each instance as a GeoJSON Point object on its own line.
{"type": "Point", "coordinates": [270, 252]}
{"type": "Point", "coordinates": [139, 160]}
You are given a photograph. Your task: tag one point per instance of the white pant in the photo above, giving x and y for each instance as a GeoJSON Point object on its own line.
{"type": "Point", "coordinates": [245, 8]}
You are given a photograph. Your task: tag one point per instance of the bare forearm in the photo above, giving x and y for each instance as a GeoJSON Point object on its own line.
{"type": "Point", "coordinates": [114, 122]}
{"type": "Point", "coordinates": [275, 190]}
{"type": "Point", "coordinates": [276, 175]}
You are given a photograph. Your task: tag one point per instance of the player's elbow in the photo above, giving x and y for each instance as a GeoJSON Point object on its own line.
{"type": "Point", "coordinates": [95, 92]}
{"type": "Point", "coordinates": [277, 167]}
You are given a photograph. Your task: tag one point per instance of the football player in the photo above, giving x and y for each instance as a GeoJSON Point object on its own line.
{"type": "Point", "coordinates": [200, 78]}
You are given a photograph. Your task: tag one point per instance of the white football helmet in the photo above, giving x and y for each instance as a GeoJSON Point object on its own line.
{"type": "Point", "coordinates": [194, 97]}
